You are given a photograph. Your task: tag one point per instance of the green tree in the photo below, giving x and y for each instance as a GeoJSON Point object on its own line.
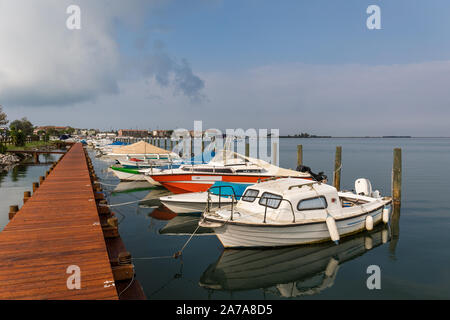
{"type": "Point", "coordinates": [3, 120]}
{"type": "Point", "coordinates": [23, 125]}
{"type": "Point", "coordinates": [18, 137]}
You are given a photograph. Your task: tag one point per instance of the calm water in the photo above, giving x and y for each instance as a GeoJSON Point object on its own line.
{"type": "Point", "coordinates": [18, 180]}
{"type": "Point", "coordinates": [413, 266]}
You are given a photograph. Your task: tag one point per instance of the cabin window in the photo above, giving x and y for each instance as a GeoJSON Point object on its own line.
{"type": "Point", "coordinates": [203, 170]}
{"type": "Point", "coordinates": [312, 204]}
{"type": "Point", "coordinates": [270, 200]}
{"type": "Point", "coordinates": [223, 171]}
{"type": "Point", "coordinates": [250, 195]}
{"type": "Point", "coordinates": [186, 169]}
{"type": "Point", "coordinates": [249, 171]}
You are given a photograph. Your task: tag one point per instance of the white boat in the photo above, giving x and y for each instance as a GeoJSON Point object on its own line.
{"type": "Point", "coordinates": [221, 195]}
{"type": "Point", "coordinates": [226, 166]}
{"type": "Point", "coordinates": [289, 211]}
{"type": "Point", "coordinates": [125, 174]}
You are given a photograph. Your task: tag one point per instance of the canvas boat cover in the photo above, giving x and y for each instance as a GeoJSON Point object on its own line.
{"type": "Point", "coordinates": [140, 147]}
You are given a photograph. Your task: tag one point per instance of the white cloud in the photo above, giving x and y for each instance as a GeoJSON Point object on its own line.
{"type": "Point", "coordinates": [42, 63]}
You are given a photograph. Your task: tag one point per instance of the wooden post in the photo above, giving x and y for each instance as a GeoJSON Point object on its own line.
{"type": "Point", "coordinates": [36, 157]}
{"type": "Point", "coordinates": [337, 168]}
{"type": "Point", "coordinates": [299, 155]}
{"type": "Point", "coordinates": [35, 186]}
{"type": "Point", "coordinates": [247, 149]}
{"type": "Point", "coordinates": [12, 211]}
{"type": "Point", "coordinates": [165, 143]}
{"type": "Point", "coordinates": [41, 179]}
{"type": "Point", "coordinates": [395, 227]}
{"type": "Point", "coordinates": [397, 176]}
{"type": "Point", "coordinates": [203, 145]}
{"type": "Point", "coordinates": [26, 196]}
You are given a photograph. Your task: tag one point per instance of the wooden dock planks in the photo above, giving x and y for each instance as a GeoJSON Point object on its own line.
{"type": "Point", "coordinates": [57, 227]}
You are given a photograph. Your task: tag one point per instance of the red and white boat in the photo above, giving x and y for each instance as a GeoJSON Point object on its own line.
{"type": "Point", "coordinates": [226, 167]}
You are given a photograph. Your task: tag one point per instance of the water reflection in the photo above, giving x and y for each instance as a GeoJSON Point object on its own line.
{"type": "Point", "coordinates": [132, 186]}
{"type": "Point", "coordinates": [18, 172]}
{"type": "Point", "coordinates": [185, 224]}
{"type": "Point", "coordinates": [288, 272]}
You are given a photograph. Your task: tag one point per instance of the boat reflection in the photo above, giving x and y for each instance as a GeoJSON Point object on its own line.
{"type": "Point", "coordinates": [291, 271]}
{"type": "Point", "coordinates": [132, 186]}
{"type": "Point", "coordinates": [162, 213]}
{"type": "Point", "coordinates": [151, 200]}
{"type": "Point", "coordinates": [185, 224]}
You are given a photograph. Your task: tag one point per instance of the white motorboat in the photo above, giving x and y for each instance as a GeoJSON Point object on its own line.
{"type": "Point", "coordinates": [221, 195]}
{"type": "Point", "coordinates": [291, 211]}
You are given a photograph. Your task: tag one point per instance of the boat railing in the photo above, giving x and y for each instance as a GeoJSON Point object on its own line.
{"type": "Point", "coordinates": [233, 196]}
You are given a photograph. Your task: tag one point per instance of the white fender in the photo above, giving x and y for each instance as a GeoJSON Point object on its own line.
{"type": "Point", "coordinates": [332, 228]}
{"type": "Point", "coordinates": [386, 215]}
{"type": "Point", "coordinates": [332, 267]}
{"type": "Point", "coordinates": [369, 223]}
{"type": "Point", "coordinates": [384, 236]}
{"type": "Point", "coordinates": [368, 243]}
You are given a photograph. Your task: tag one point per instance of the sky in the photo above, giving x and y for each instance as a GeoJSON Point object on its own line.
{"type": "Point", "coordinates": [297, 66]}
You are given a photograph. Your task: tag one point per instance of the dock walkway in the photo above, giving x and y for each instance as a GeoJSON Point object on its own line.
{"type": "Point", "coordinates": [58, 227]}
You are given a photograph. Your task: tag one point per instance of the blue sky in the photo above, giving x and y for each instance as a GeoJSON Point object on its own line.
{"type": "Point", "coordinates": [277, 64]}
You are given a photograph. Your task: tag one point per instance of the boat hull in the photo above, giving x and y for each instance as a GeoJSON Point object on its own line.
{"type": "Point", "coordinates": [183, 183]}
{"type": "Point", "coordinates": [132, 175]}
{"type": "Point", "coordinates": [236, 235]}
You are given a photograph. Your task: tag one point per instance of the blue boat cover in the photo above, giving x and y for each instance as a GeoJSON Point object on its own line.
{"type": "Point", "coordinates": [226, 188]}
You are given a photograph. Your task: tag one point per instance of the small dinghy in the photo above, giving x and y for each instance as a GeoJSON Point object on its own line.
{"type": "Point", "coordinates": [291, 211]}
{"type": "Point", "coordinates": [221, 195]}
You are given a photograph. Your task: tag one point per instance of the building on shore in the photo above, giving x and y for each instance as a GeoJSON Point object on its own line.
{"type": "Point", "coordinates": [133, 133]}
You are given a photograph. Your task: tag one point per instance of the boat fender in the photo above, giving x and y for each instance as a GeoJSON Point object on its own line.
{"type": "Point", "coordinates": [332, 229]}
{"type": "Point", "coordinates": [369, 223]}
{"type": "Point", "coordinates": [386, 215]}
{"type": "Point", "coordinates": [368, 243]}
{"type": "Point", "coordinates": [332, 267]}
{"type": "Point", "coordinates": [384, 236]}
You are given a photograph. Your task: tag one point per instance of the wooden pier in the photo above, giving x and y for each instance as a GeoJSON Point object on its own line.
{"type": "Point", "coordinates": [61, 229]}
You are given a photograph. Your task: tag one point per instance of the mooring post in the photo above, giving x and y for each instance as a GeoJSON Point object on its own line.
{"type": "Point", "coordinates": [35, 186]}
{"type": "Point", "coordinates": [165, 143]}
{"type": "Point", "coordinates": [397, 176]}
{"type": "Point", "coordinates": [247, 149]}
{"type": "Point", "coordinates": [299, 155]}
{"type": "Point", "coordinates": [41, 180]}
{"type": "Point", "coordinates": [337, 168]}
{"type": "Point", "coordinates": [12, 211]}
{"type": "Point", "coordinates": [26, 196]}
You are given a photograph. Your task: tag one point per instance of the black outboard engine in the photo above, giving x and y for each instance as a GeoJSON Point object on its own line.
{"type": "Point", "coordinates": [320, 177]}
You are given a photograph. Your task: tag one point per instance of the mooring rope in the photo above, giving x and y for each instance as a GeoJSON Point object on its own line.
{"type": "Point", "coordinates": [118, 204]}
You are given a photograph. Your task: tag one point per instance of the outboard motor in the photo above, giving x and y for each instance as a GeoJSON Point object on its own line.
{"type": "Point", "coordinates": [320, 177]}
{"type": "Point", "coordinates": [363, 187]}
